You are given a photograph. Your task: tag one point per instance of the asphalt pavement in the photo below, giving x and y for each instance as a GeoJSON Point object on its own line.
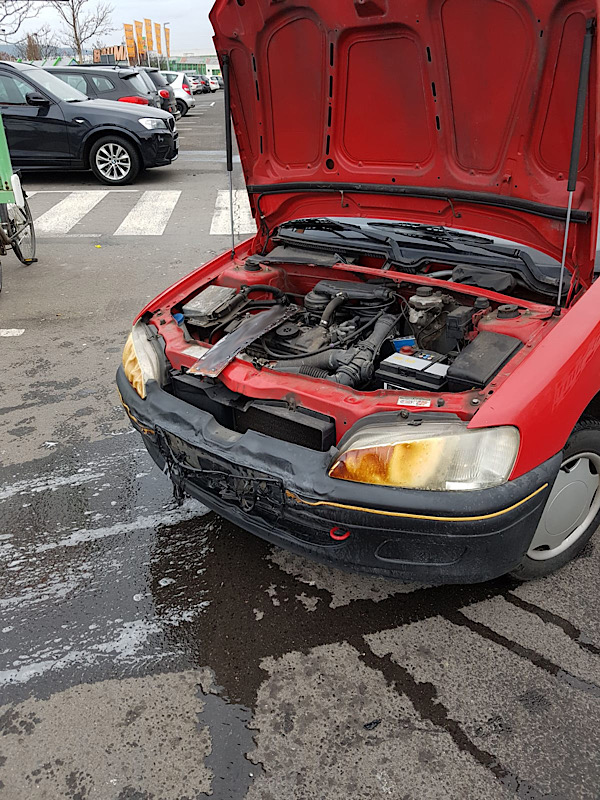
{"type": "Point", "coordinates": [156, 652]}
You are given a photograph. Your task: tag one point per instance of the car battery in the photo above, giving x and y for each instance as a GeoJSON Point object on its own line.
{"type": "Point", "coordinates": [422, 370]}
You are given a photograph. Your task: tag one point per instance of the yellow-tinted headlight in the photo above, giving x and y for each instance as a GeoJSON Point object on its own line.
{"type": "Point", "coordinates": [436, 456]}
{"type": "Point", "coordinates": [132, 368]}
{"type": "Point", "coordinates": [140, 359]}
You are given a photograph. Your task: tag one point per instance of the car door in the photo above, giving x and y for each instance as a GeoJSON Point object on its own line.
{"type": "Point", "coordinates": [37, 135]}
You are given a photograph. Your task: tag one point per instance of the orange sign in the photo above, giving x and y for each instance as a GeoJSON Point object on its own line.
{"type": "Point", "coordinates": [149, 34]}
{"type": "Point", "coordinates": [130, 42]}
{"type": "Point", "coordinates": [139, 34]}
{"type": "Point", "coordinates": [158, 38]}
{"type": "Point", "coordinates": [168, 41]}
{"type": "Point", "coordinates": [119, 52]}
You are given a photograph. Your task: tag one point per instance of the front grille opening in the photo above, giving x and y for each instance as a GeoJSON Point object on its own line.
{"type": "Point", "coordinates": [272, 418]}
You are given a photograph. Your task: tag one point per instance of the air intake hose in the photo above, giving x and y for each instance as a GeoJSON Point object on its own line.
{"type": "Point", "coordinates": [349, 367]}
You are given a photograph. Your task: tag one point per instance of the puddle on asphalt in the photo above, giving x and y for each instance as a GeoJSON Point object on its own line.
{"type": "Point", "coordinates": [101, 575]}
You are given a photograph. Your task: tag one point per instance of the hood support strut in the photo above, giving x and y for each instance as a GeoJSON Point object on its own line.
{"type": "Point", "coordinates": [229, 144]}
{"type": "Point", "coordinates": [584, 73]}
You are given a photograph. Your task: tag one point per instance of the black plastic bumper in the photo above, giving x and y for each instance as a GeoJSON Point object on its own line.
{"type": "Point", "coordinates": [159, 149]}
{"type": "Point", "coordinates": [282, 493]}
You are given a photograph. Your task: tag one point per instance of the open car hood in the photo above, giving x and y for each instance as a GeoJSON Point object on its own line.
{"type": "Point", "coordinates": [446, 112]}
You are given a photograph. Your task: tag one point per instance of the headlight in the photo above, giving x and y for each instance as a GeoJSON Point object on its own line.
{"type": "Point", "coordinates": [437, 456]}
{"type": "Point", "coordinates": [140, 360]}
{"type": "Point", "coordinates": [153, 124]}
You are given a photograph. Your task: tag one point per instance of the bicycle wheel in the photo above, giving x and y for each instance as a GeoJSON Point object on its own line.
{"type": "Point", "coordinates": [18, 224]}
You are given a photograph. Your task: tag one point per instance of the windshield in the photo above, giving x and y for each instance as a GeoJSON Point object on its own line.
{"type": "Point", "coordinates": [147, 81]}
{"type": "Point", "coordinates": [139, 84]}
{"type": "Point", "coordinates": [157, 79]}
{"type": "Point", "coordinates": [60, 89]}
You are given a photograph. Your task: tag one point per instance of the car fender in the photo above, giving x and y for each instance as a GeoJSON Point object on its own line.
{"type": "Point", "coordinates": [102, 130]}
{"type": "Point", "coordinates": [549, 391]}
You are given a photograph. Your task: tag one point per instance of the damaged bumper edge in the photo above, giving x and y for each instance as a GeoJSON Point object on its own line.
{"type": "Point", "coordinates": [282, 493]}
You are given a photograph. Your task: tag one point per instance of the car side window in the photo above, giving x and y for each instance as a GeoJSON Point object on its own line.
{"type": "Point", "coordinates": [170, 76]}
{"type": "Point", "coordinates": [14, 91]}
{"type": "Point", "coordinates": [76, 81]}
{"type": "Point", "coordinates": [102, 84]}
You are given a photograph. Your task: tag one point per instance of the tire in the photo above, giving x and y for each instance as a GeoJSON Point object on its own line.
{"type": "Point", "coordinates": [15, 217]}
{"type": "Point", "coordinates": [182, 107]}
{"type": "Point", "coordinates": [572, 512]}
{"type": "Point", "coordinates": [126, 165]}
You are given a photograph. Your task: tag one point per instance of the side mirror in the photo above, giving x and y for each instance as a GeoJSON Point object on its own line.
{"type": "Point", "coordinates": [36, 99]}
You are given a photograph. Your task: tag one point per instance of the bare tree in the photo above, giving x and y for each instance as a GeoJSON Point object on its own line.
{"type": "Point", "coordinates": [13, 14]}
{"type": "Point", "coordinates": [83, 22]}
{"type": "Point", "coordinates": [38, 45]}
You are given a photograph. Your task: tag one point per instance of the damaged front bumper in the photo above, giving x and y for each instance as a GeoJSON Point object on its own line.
{"type": "Point", "coordinates": [282, 493]}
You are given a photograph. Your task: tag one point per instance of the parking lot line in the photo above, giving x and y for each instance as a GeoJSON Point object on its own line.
{"type": "Point", "coordinates": [150, 215]}
{"type": "Point", "coordinates": [68, 212]}
{"type": "Point", "coordinates": [242, 215]}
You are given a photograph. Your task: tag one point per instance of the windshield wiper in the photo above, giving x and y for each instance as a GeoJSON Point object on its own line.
{"type": "Point", "coordinates": [331, 226]}
{"type": "Point", "coordinates": [432, 232]}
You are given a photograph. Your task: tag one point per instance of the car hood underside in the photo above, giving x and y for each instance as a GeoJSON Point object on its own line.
{"type": "Point", "coordinates": [452, 112]}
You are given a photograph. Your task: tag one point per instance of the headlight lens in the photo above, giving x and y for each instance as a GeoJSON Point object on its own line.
{"type": "Point", "coordinates": [140, 360]}
{"type": "Point", "coordinates": [153, 124]}
{"type": "Point", "coordinates": [436, 456]}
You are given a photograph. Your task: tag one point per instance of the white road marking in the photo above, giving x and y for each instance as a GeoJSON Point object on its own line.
{"type": "Point", "coordinates": [242, 216]}
{"type": "Point", "coordinates": [68, 212]}
{"type": "Point", "coordinates": [50, 483]}
{"type": "Point", "coordinates": [80, 191]}
{"type": "Point", "coordinates": [12, 331]}
{"type": "Point", "coordinates": [150, 215]}
{"type": "Point", "coordinates": [70, 235]}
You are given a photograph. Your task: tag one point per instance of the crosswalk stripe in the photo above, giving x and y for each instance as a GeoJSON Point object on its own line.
{"type": "Point", "coordinates": [242, 215]}
{"type": "Point", "coordinates": [66, 214]}
{"type": "Point", "coordinates": [150, 215]}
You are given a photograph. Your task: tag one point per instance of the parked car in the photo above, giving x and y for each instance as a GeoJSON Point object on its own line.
{"type": "Point", "coordinates": [204, 84]}
{"type": "Point", "coordinates": [51, 125]}
{"type": "Point", "coordinates": [220, 81]}
{"type": "Point", "coordinates": [374, 382]}
{"type": "Point", "coordinates": [165, 92]}
{"type": "Point", "coordinates": [213, 83]}
{"type": "Point", "coordinates": [109, 83]}
{"type": "Point", "coordinates": [194, 81]}
{"type": "Point", "coordinates": [183, 91]}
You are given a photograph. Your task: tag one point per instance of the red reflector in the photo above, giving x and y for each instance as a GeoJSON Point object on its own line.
{"type": "Point", "coordinates": [163, 93]}
{"type": "Point", "coordinates": [338, 534]}
{"type": "Point", "coordinates": [140, 101]}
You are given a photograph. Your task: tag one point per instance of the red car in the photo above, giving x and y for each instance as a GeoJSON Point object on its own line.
{"type": "Point", "coordinates": [395, 375]}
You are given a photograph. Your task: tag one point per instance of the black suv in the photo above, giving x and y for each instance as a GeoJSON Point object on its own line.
{"type": "Point", "coordinates": [50, 125]}
{"type": "Point", "coordinates": [109, 83]}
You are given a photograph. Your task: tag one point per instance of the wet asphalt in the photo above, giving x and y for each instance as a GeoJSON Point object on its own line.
{"type": "Point", "coordinates": [156, 652]}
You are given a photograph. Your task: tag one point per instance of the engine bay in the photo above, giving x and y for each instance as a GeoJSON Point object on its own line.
{"type": "Point", "coordinates": [352, 326]}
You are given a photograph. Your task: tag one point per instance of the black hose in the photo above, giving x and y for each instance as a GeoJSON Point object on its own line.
{"type": "Point", "coordinates": [263, 287]}
{"type": "Point", "coordinates": [331, 308]}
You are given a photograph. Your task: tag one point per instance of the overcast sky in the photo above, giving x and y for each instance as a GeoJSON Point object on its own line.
{"type": "Point", "coordinates": [190, 27]}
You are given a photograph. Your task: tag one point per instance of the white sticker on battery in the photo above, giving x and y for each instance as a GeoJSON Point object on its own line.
{"type": "Point", "coordinates": [414, 402]}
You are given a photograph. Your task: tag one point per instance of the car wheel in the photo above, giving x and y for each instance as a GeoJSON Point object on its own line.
{"type": "Point", "coordinates": [182, 107]}
{"type": "Point", "coordinates": [572, 512]}
{"type": "Point", "coordinates": [114, 160]}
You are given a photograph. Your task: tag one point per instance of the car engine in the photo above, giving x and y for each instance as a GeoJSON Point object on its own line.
{"type": "Point", "coordinates": [366, 335]}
